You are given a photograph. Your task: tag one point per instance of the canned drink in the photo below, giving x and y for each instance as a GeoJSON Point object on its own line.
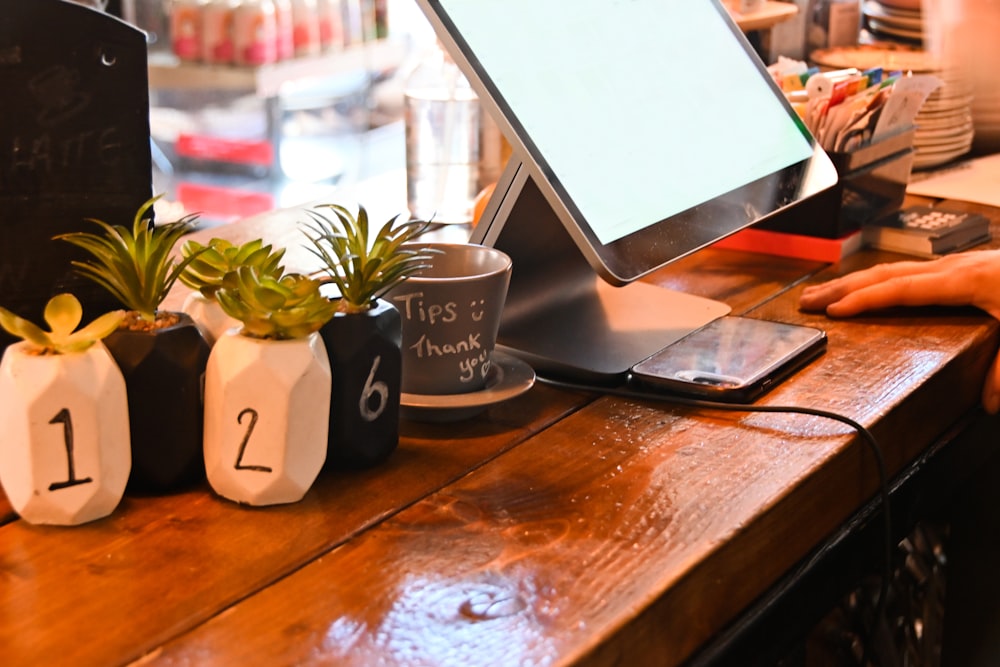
{"type": "Point", "coordinates": [185, 29]}
{"type": "Point", "coordinates": [217, 31]}
{"type": "Point", "coordinates": [381, 19]}
{"type": "Point", "coordinates": [306, 20]}
{"type": "Point", "coordinates": [286, 29]}
{"type": "Point", "coordinates": [331, 24]}
{"type": "Point", "coordinates": [255, 33]}
{"type": "Point", "coordinates": [353, 29]}
{"type": "Point", "coordinates": [368, 20]}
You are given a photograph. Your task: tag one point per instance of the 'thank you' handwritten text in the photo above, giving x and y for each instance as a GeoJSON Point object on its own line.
{"type": "Point", "coordinates": [465, 346]}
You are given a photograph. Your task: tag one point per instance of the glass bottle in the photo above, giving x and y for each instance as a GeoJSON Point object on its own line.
{"type": "Point", "coordinates": [442, 140]}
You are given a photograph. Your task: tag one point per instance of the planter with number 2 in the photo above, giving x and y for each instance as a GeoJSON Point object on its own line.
{"type": "Point", "coordinates": [265, 447]}
{"type": "Point", "coordinates": [267, 390]}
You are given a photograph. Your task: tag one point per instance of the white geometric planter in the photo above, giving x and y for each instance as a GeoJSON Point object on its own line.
{"type": "Point", "coordinates": [64, 454]}
{"type": "Point", "coordinates": [266, 417]}
{"type": "Point", "coordinates": [208, 316]}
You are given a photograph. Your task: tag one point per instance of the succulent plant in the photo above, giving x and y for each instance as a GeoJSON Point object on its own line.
{"type": "Point", "coordinates": [134, 265]}
{"type": "Point", "coordinates": [63, 314]}
{"type": "Point", "coordinates": [289, 306]}
{"type": "Point", "coordinates": [215, 264]}
{"type": "Point", "coordinates": [364, 270]}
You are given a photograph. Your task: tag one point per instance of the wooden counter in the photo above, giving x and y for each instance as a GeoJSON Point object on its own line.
{"type": "Point", "coordinates": [557, 528]}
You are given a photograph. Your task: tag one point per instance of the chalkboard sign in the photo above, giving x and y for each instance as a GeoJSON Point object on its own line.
{"type": "Point", "coordinates": [74, 144]}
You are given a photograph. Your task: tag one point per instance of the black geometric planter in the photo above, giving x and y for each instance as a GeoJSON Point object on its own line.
{"type": "Point", "coordinates": [366, 363]}
{"type": "Point", "coordinates": [164, 374]}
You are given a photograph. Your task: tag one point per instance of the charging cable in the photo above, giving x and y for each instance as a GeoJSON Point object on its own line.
{"type": "Point", "coordinates": [866, 435]}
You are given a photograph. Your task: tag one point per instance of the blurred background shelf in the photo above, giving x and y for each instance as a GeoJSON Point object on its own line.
{"type": "Point", "coordinates": [233, 141]}
{"type": "Point", "coordinates": [166, 71]}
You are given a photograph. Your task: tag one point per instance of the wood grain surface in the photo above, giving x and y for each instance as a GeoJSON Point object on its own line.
{"type": "Point", "coordinates": [161, 565]}
{"type": "Point", "coordinates": [558, 528]}
{"type": "Point", "coordinates": [628, 532]}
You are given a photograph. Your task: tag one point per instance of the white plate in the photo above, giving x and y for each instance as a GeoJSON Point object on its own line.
{"type": "Point", "coordinates": [903, 5]}
{"type": "Point", "coordinates": [956, 134]}
{"type": "Point", "coordinates": [886, 56]}
{"type": "Point", "coordinates": [875, 11]}
{"type": "Point", "coordinates": [943, 106]}
{"type": "Point", "coordinates": [883, 28]}
{"type": "Point", "coordinates": [954, 126]}
{"type": "Point", "coordinates": [876, 8]}
{"type": "Point", "coordinates": [508, 377]}
{"type": "Point", "coordinates": [923, 160]}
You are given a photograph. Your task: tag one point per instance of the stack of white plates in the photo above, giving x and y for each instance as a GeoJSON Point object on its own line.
{"type": "Point", "coordinates": [944, 123]}
{"type": "Point", "coordinates": [893, 20]}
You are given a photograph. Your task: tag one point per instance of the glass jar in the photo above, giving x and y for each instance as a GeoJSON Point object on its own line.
{"type": "Point", "coordinates": [442, 141]}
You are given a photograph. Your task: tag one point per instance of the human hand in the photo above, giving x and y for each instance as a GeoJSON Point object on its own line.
{"type": "Point", "coordinates": [962, 279]}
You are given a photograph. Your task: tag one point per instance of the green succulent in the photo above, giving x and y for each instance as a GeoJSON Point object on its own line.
{"type": "Point", "coordinates": [134, 265]}
{"type": "Point", "coordinates": [363, 270]}
{"type": "Point", "coordinates": [289, 306]}
{"type": "Point", "coordinates": [63, 314]}
{"type": "Point", "coordinates": [214, 265]}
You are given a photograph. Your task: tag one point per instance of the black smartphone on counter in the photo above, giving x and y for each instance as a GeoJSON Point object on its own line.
{"type": "Point", "coordinates": [731, 359]}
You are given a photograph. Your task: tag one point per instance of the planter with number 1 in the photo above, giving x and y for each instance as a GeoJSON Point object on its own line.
{"type": "Point", "coordinates": [364, 338]}
{"type": "Point", "coordinates": [267, 391]}
{"type": "Point", "coordinates": [64, 455]}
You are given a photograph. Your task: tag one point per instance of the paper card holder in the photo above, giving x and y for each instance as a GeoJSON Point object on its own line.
{"type": "Point", "coordinates": [872, 183]}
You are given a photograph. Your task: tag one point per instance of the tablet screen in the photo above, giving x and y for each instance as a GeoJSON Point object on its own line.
{"type": "Point", "coordinates": [650, 126]}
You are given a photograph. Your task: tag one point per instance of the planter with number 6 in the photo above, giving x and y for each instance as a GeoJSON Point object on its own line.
{"type": "Point", "coordinates": [364, 338]}
{"type": "Point", "coordinates": [364, 351]}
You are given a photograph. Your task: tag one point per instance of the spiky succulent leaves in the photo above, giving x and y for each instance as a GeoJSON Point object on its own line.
{"type": "Point", "coordinates": [285, 307]}
{"type": "Point", "coordinates": [213, 263]}
{"type": "Point", "coordinates": [63, 314]}
{"type": "Point", "coordinates": [364, 271]}
{"type": "Point", "coordinates": [135, 265]}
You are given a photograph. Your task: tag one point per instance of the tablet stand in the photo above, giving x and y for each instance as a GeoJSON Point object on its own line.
{"type": "Point", "coordinates": [560, 316]}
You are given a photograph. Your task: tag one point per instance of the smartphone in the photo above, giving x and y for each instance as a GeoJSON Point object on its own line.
{"type": "Point", "coordinates": [731, 359]}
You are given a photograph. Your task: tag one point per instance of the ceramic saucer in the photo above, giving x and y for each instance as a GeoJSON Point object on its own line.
{"type": "Point", "coordinates": [508, 377]}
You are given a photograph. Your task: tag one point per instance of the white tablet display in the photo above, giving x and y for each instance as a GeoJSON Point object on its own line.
{"type": "Point", "coordinates": [649, 125]}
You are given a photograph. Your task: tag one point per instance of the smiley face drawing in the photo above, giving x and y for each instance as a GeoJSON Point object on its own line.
{"type": "Point", "coordinates": [478, 311]}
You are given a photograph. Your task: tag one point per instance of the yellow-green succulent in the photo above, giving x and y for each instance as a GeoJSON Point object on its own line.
{"type": "Point", "coordinates": [285, 307]}
{"type": "Point", "coordinates": [135, 265]}
{"type": "Point", "coordinates": [363, 270]}
{"type": "Point", "coordinates": [214, 265]}
{"type": "Point", "coordinates": [63, 314]}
